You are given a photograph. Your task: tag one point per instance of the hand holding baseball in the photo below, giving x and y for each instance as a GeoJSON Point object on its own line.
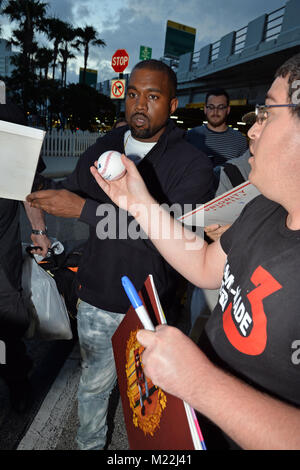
{"type": "Point", "coordinates": [110, 165]}
{"type": "Point", "coordinates": [126, 192]}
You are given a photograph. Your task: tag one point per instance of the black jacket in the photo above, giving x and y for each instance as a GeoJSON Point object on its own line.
{"type": "Point", "coordinates": [174, 172]}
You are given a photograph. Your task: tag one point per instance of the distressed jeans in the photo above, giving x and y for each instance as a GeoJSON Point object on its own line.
{"type": "Point", "coordinates": [95, 330]}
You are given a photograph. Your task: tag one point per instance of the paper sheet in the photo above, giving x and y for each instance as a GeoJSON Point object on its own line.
{"type": "Point", "coordinates": [20, 148]}
{"type": "Point", "coordinates": [224, 209]}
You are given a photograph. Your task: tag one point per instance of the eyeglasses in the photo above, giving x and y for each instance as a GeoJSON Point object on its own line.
{"type": "Point", "coordinates": [220, 107]}
{"type": "Point", "coordinates": [261, 110]}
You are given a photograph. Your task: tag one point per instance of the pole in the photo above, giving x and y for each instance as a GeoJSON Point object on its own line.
{"type": "Point", "coordinates": [119, 101]}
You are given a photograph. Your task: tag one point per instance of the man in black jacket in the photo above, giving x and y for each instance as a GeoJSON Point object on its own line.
{"type": "Point", "coordinates": [175, 172]}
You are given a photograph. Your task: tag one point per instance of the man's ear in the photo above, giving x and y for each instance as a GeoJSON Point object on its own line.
{"type": "Point", "coordinates": [173, 105]}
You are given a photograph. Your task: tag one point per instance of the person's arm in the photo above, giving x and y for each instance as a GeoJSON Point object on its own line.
{"type": "Point", "coordinates": [254, 420]}
{"type": "Point", "coordinates": [190, 255]}
{"type": "Point", "coordinates": [37, 221]}
{"type": "Point", "coordinates": [58, 202]}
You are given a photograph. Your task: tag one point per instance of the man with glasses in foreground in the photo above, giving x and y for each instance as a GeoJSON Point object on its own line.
{"type": "Point", "coordinates": [244, 379]}
{"type": "Point", "coordinates": [216, 139]}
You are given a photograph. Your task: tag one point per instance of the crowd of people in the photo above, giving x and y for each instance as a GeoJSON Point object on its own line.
{"type": "Point", "coordinates": [232, 376]}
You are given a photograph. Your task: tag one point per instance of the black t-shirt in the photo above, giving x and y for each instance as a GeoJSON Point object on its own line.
{"type": "Point", "coordinates": [254, 329]}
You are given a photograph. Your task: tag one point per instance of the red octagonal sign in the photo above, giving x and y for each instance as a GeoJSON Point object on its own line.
{"type": "Point", "coordinates": [120, 60]}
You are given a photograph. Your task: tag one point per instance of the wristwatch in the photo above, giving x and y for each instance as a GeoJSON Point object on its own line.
{"type": "Point", "coordinates": [39, 232]}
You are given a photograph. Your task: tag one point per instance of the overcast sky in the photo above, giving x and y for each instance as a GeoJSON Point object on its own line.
{"type": "Point", "coordinates": [128, 24]}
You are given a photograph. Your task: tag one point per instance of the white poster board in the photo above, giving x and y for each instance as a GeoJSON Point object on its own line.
{"type": "Point", "coordinates": [20, 148]}
{"type": "Point", "coordinates": [224, 209]}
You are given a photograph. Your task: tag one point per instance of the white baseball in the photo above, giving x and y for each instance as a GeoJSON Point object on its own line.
{"type": "Point", "coordinates": [110, 165]}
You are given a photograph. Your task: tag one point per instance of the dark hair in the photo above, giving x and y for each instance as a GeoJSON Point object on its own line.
{"type": "Point", "coordinates": [249, 119]}
{"type": "Point", "coordinates": [291, 69]}
{"type": "Point", "coordinates": [217, 92]}
{"type": "Point", "coordinates": [154, 64]}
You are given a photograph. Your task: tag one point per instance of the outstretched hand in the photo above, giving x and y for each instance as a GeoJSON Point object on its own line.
{"type": "Point", "coordinates": [126, 192]}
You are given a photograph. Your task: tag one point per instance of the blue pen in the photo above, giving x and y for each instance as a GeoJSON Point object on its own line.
{"type": "Point", "coordinates": [137, 303]}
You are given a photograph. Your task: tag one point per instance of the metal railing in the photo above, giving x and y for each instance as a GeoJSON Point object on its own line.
{"type": "Point", "coordinates": [274, 24]}
{"type": "Point", "coordinates": [272, 31]}
{"type": "Point", "coordinates": [240, 39]}
{"type": "Point", "coordinates": [214, 54]}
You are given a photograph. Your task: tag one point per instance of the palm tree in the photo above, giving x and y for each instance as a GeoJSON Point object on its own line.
{"type": "Point", "coordinates": [87, 36]}
{"type": "Point", "coordinates": [66, 54]}
{"type": "Point", "coordinates": [29, 14]}
{"type": "Point", "coordinates": [57, 31]}
{"type": "Point", "coordinates": [43, 59]}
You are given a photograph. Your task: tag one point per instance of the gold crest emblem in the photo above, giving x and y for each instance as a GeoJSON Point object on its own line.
{"type": "Point", "coordinates": [147, 401]}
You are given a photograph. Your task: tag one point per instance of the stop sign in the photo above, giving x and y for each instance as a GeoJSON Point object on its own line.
{"type": "Point", "coordinates": [120, 60]}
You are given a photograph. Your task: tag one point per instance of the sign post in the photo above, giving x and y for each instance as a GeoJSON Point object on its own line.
{"type": "Point", "coordinates": [119, 62]}
{"type": "Point", "coordinates": [145, 53]}
{"type": "Point", "coordinates": [117, 91]}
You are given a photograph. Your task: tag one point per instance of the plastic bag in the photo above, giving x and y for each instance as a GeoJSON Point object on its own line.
{"type": "Point", "coordinates": [49, 316]}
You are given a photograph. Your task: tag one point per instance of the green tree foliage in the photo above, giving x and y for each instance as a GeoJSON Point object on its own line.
{"type": "Point", "coordinates": [85, 106]}
{"type": "Point", "coordinates": [33, 84]}
{"type": "Point", "coordinates": [88, 36]}
{"type": "Point", "coordinates": [43, 59]}
{"type": "Point", "coordinates": [66, 51]}
{"type": "Point", "coordinates": [29, 15]}
{"type": "Point", "coordinates": [57, 31]}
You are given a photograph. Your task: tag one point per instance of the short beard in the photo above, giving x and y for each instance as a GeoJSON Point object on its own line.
{"type": "Point", "coordinates": [141, 133]}
{"type": "Point", "coordinates": [145, 134]}
{"type": "Point", "coordinates": [217, 123]}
